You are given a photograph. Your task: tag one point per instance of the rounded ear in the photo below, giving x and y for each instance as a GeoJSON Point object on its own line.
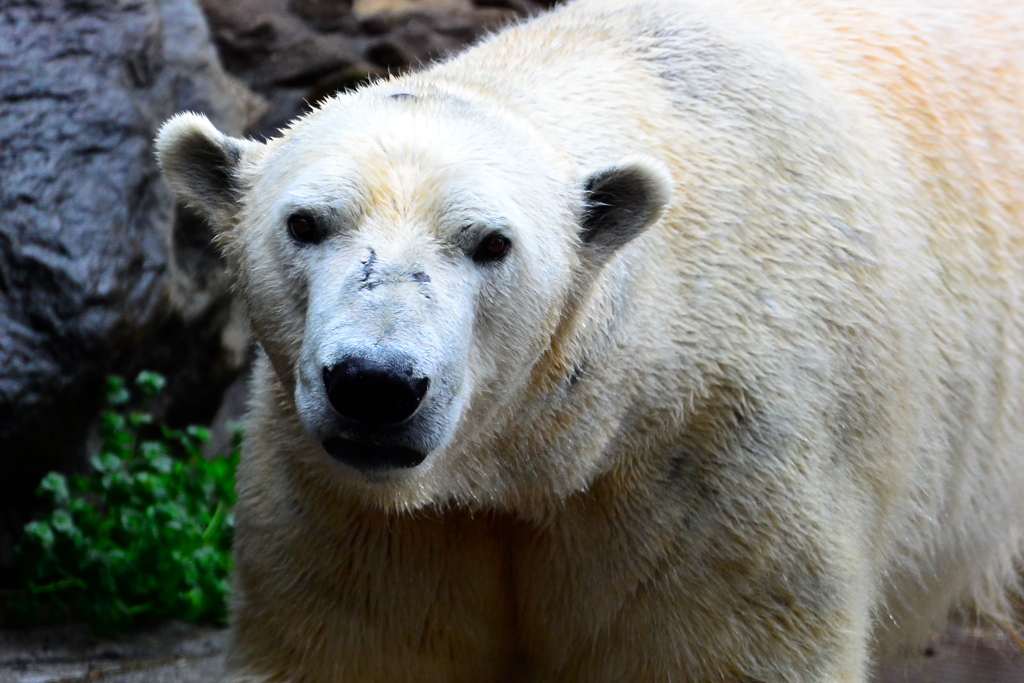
{"type": "Point", "coordinates": [620, 201]}
{"type": "Point", "coordinates": [202, 164]}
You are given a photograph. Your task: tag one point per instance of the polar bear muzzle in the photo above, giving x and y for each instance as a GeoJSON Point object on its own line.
{"type": "Point", "coordinates": [372, 394]}
{"type": "Point", "coordinates": [367, 457]}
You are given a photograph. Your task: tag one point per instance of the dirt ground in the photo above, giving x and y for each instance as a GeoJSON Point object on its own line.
{"type": "Point", "coordinates": [180, 653]}
{"type": "Point", "coordinates": [172, 653]}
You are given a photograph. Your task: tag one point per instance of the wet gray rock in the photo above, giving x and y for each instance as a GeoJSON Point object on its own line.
{"type": "Point", "coordinates": [99, 271]}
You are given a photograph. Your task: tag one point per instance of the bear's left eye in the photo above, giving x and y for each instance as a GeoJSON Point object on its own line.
{"type": "Point", "coordinates": [492, 247]}
{"type": "Point", "coordinates": [303, 228]}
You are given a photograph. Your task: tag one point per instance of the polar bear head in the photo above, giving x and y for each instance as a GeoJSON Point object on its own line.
{"type": "Point", "coordinates": [405, 261]}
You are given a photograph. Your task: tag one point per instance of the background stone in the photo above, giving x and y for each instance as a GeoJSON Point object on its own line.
{"type": "Point", "coordinates": [99, 271]}
{"type": "Point", "coordinates": [296, 52]}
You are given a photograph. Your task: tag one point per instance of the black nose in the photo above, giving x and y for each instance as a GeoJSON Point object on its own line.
{"type": "Point", "coordinates": [374, 394]}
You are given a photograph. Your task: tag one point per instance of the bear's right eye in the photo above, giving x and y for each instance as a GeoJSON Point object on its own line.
{"type": "Point", "coordinates": [303, 229]}
{"type": "Point", "coordinates": [494, 247]}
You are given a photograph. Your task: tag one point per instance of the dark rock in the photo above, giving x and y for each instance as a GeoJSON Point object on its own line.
{"type": "Point", "coordinates": [322, 15]}
{"type": "Point", "coordinates": [297, 52]}
{"type": "Point", "coordinates": [268, 45]}
{"type": "Point", "coordinates": [92, 277]}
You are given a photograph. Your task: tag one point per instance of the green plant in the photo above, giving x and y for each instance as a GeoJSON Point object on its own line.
{"type": "Point", "coordinates": [146, 534]}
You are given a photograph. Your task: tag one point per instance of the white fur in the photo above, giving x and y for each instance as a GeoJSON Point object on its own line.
{"type": "Point", "coordinates": [775, 436]}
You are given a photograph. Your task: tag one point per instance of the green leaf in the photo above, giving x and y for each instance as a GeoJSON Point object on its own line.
{"type": "Point", "coordinates": [151, 383]}
{"type": "Point", "coordinates": [117, 392]}
{"type": "Point", "coordinates": [62, 522]}
{"type": "Point", "coordinates": [40, 533]}
{"type": "Point", "coordinates": [136, 418]}
{"type": "Point", "coordinates": [55, 487]}
{"type": "Point", "coordinates": [200, 433]}
{"type": "Point", "coordinates": [147, 533]}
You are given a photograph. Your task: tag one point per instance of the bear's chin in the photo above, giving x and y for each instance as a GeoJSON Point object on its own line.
{"type": "Point", "coordinates": [367, 457]}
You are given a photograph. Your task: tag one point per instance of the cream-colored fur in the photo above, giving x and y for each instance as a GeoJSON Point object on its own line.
{"type": "Point", "coordinates": [774, 436]}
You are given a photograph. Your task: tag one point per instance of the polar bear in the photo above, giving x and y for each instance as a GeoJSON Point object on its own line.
{"type": "Point", "coordinates": [645, 341]}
